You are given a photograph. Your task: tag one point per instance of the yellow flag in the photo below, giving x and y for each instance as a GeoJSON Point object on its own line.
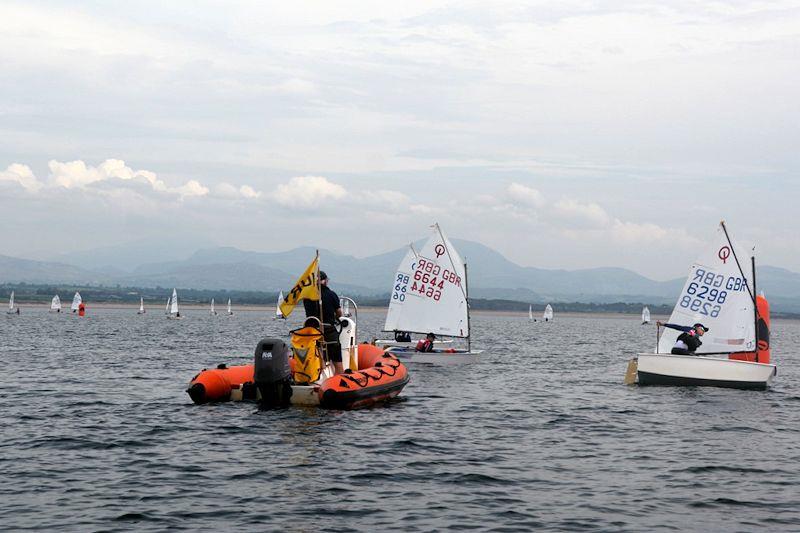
{"type": "Point", "coordinates": [306, 288]}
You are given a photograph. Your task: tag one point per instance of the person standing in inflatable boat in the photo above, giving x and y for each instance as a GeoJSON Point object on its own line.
{"type": "Point", "coordinates": [331, 312]}
{"type": "Point", "coordinates": [689, 341]}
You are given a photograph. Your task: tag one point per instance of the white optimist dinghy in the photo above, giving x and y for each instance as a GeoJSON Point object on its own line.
{"type": "Point", "coordinates": [11, 309]}
{"type": "Point", "coordinates": [430, 295]}
{"type": "Point", "coordinates": [141, 306]}
{"type": "Point", "coordinates": [173, 312]}
{"type": "Point", "coordinates": [278, 313]}
{"type": "Point", "coordinates": [76, 302]}
{"type": "Point", "coordinates": [721, 295]}
{"type": "Point", "coordinates": [55, 304]}
{"type": "Point", "coordinates": [645, 315]}
{"type": "Point", "coordinates": [230, 313]}
{"type": "Point", "coordinates": [213, 310]}
{"type": "Point", "coordinates": [547, 316]}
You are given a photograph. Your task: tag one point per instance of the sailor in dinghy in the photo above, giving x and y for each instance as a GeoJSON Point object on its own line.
{"type": "Point", "coordinates": [720, 293]}
{"type": "Point", "coordinates": [430, 295]}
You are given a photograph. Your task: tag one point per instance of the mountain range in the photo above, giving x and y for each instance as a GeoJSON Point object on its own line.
{"type": "Point", "coordinates": [492, 276]}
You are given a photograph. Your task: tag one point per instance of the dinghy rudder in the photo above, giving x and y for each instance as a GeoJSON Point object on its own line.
{"type": "Point", "coordinates": [763, 352]}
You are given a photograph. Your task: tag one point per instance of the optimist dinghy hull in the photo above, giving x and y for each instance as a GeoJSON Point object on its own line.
{"type": "Point", "coordinates": [698, 371]}
{"type": "Point", "coordinates": [410, 355]}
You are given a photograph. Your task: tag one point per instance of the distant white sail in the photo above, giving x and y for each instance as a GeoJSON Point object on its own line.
{"type": "Point", "coordinates": [645, 315]}
{"type": "Point", "coordinates": [141, 305]}
{"type": "Point", "coordinates": [530, 312]}
{"type": "Point", "coordinates": [55, 303]}
{"type": "Point", "coordinates": [11, 302]}
{"type": "Point", "coordinates": [76, 301]}
{"type": "Point", "coordinates": [173, 309]}
{"type": "Point", "coordinates": [717, 295]}
{"type": "Point", "coordinates": [278, 313]}
{"type": "Point", "coordinates": [548, 313]}
{"type": "Point", "coordinates": [166, 310]}
{"type": "Point", "coordinates": [429, 291]}
{"type": "Point", "coordinates": [229, 307]}
{"type": "Point", "coordinates": [213, 311]}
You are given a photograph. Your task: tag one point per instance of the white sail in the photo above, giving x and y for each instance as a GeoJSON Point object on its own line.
{"type": "Point", "coordinates": [55, 303]}
{"type": "Point", "coordinates": [11, 302]}
{"type": "Point", "coordinates": [548, 313]}
{"type": "Point", "coordinates": [166, 310]}
{"type": "Point", "coordinates": [645, 315]}
{"type": "Point", "coordinates": [717, 295]}
{"type": "Point", "coordinates": [278, 313]}
{"type": "Point", "coordinates": [141, 305]}
{"type": "Point", "coordinates": [76, 301]}
{"type": "Point", "coordinates": [229, 307]}
{"type": "Point", "coordinates": [429, 291]}
{"type": "Point", "coordinates": [173, 309]}
{"type": "Point", "coordinates": [530, 312]}
{"type": "Point", "coordinates": [213, 311]}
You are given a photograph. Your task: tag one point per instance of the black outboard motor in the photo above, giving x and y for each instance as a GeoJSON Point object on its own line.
{"type": "Point", "coordinates": [272, 374]}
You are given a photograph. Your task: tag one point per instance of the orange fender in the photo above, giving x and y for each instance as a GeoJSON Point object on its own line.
{"type": "Point", "coordinates": [215, 384]}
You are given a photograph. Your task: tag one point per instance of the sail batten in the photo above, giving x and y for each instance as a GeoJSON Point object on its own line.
{"type": "Point", "coordinates": [428, 291]}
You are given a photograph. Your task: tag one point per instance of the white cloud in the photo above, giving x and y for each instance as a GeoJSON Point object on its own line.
{"type": "Point", "coordinates": [77, 174]}
{"type": "Point", "coordinates": [574, 211]}
{"type": "Point", "coordinates": [226, 190]}
{"type": "Point", "coordinates": [23, 175]}
{"type": "Point", "coordinates": [308, 191]}
{"type": "Point", "coordinates": [525, 195]}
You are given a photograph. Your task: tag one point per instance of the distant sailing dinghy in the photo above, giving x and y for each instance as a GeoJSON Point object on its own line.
{"type": "Point", "coordinates": [76, 302]}
{"type": "Point", "coordinates": [141, 306]}
{"type": "Point", "coordinates": [430, 295]}
{"type": "Point", "coordinates": [11, 309]}
{"type": "Point", "coordinates": [278, 314]}
{"type": "Point", "coordinates": [213, 311]}
{"type": "Point", "coordinates": [230, 313]}
{"type": "Point", "coordinates": [720, 293]}
{"type": "Point", "coordinates": [55, 304]}
{"type": "Point", "coordinates": [645, 315]}
{"type": "Point", "coordinates": [530, 312]}
{"type": "Point", "coordinates": [547, 316]}
{"type": "Point", "coordinates": [174, 313]}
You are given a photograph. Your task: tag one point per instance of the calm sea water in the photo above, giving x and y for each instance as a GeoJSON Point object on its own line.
{"type": "Point", "coordinates": [98, 434]}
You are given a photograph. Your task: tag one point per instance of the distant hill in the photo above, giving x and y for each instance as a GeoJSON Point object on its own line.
{"type": "Point", "coordinates": [492, 276]}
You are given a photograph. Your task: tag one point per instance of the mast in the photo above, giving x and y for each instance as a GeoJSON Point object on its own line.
{"type": "Point", "coordinates": [466, 294]}
{"type": "Point", "coordinates": [755, 304]}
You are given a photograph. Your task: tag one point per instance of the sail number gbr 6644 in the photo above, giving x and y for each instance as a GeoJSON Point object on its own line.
{"type": "Point", "coordinates": [708, 291]}
{"type": "Point", "coordinates": [428, 280]}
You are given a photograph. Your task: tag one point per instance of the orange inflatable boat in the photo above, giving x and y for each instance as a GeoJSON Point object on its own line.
{"type": "Point", "coordinates": [379, 376]}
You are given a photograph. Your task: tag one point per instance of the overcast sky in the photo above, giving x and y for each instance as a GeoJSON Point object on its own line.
{"type": "Point", "coordinates": [562, 134]}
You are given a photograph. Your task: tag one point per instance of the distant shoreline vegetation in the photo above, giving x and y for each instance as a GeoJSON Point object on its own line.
{"type": "Point", "coordinates": [43, 293]}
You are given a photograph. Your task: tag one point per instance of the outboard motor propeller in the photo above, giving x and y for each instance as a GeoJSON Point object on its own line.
{"type": "Point", "coordinates": [272, 373]}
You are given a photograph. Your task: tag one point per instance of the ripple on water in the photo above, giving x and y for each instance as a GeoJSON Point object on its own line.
{"type": "Point", "coordinates": [538, 435]}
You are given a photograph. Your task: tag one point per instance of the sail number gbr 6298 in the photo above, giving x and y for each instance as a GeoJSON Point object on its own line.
{"type": "Point", "coordinates": [708, 291]}
{"type": "Point", "coordinates": [428, 281]}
